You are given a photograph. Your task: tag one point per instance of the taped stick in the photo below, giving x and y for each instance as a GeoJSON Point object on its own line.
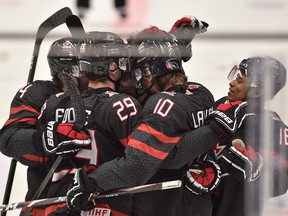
{"type": "Point", "coordinates": [130, 190]}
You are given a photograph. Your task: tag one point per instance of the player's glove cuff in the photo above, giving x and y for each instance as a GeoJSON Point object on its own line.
{"type": "Point", "coordinates": [204, 175]}
{"type": "Point", "coordinates": [81, 196]}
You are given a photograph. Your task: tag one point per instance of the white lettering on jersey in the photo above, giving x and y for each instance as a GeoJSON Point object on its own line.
{"type": "Point", "coordinates": [125, 104]}
{"type": "Point", "coordinates": [68, 115]}
{"type": "Point", "coordinates": [42, 109]}
{"type": "Point", "coordinates": [24, 90]}
{"type": "Point", "coordinates": [162, 108]}
{"type": "Point", "coordinates": [283, 135]}
{"type": "Point", "coordinates": [200, 116]}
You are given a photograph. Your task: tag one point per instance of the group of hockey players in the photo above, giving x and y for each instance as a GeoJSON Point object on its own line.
{"type": "Point", "coordinates": [145, 123]}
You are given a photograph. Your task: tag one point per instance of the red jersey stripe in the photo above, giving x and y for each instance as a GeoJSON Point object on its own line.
{"type": "Point", "coordinates": [35, 158]}
{"type": "Point", "coordinates": [159, 135]}
{"type": "Point", "coordinates": [24, 108]}
{"type": "Point", "coordinates": [147, 149]}
{"type": "Point", "coordinates": [31, 121]}
{"type": "Point", "coordinates": [125, 141]}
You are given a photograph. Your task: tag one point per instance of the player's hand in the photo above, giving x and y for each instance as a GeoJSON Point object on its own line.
{"type": "Point", "coordinates": [62, 139]}
{"type": "Point", "coordinates": [81, 196]}
{"type": "Point", "coordinates": [241, 162]}
{"type": "Point", "coordinates": [203, 175]}
{"type": "Point", "coordinates": [184, 31]}
{"type": "Point", "coordinates": [186, 21]}
{"type": "Point", "coordinates": [229, 119]}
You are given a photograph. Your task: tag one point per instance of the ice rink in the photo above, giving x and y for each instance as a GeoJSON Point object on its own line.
{"type": "Point", "coordinates": [238, 29]}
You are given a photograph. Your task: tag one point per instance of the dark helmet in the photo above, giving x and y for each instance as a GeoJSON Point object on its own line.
{"type": "Point", "coordinates": [62, 54]}
{"type": "Point", "coordinates": [95, 37]}
{"type": "Point", "coordinates": [258, 68]}
{"type": "Point", "coordinates": [98, 50]}
{"type": "Point", "coordinates": [158, 53]}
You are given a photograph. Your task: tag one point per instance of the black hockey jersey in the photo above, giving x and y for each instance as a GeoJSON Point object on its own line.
{"type": "Point", "coordinates": [232, 197]}
{"type": "Point", "coordinates": [111, 118]}
{"type": "Point", "coordinates": [17, 132]}
{"type": "Point", "coordinates": [166, 116]}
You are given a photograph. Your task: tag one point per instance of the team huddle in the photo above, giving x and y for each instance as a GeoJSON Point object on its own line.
{"type": "Point", "coordinates": [119, 114]}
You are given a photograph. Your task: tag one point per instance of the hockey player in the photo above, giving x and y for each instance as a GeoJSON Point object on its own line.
{"type": "Point", "coordinates": [241, 192]}
{"type": "Point", "coordinates": [167, 114]}
{"type": "Point", "coordinates": [181, 201]}
{"type": "Point", "coordinates": [84, 5]}
{"type": "Point", "coordinates": [111, 118]}
{"type": "Point", "coordinates": [17, 134]}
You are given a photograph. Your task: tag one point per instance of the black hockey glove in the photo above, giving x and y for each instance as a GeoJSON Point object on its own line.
{"type": "Point", "coordinates": [62, 139]}
{"type": "Point", "coordinates": [241, 162]}
{"type": "Point", "coordinates": [229, 118]}
{"type": "Point", "coordinates": [203, 175]}
{"type": "Point", "coordinates": [184, 30]}
{"type": "Point", "coordinates": [81, 195]}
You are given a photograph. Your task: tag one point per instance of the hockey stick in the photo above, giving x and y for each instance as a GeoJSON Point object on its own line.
{"type": "Point", "coordinates": [52, 22]}
{"type": "Point", "coordinates": [75, 26]}
{"type": "Point", "coordinates": [131, 190]}
{"type": "Point", "coordinates": [80, 114]}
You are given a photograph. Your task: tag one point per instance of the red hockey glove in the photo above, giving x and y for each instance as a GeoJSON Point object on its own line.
{"type": "Point", "coordinates": [184, 30]}
{"type": "Point", "coordinates": [197, 25]}
{"type": "Point", "coordinates": [243, 163]}
{"type": "Point", "coordinates": [229, 119]}
{"type": "Point", "coordinates": [81, 196]}
{"type": "Point", "coordinates": [62, 139]}
{"type": "Point", "coordinates": [148, 33]}
{"type": "Point", "coordinates": [204, 175]}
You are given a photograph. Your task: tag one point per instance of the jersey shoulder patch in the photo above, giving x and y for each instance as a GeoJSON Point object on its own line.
{"type": "Point", "coordinates": [111, 93]}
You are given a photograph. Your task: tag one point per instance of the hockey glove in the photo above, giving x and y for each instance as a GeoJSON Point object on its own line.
{"type": "Point", "coordinates": [243, 163]}
{"type": "Point", "coordinates": [148, 33]}
{"type": "Point", "coordinates": [229, 118]}
{"type": "Point", "coordinates": [184, 30]}
{"type": "Point", "coordinates": [81, 196]}
{"type": "Point", "coordinates": [62, 139]}
{"type": "Point", "coordinates": [204, 175]}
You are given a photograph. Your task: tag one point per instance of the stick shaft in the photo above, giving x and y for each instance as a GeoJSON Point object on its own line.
{"type": "Point", "coordinates": [137, 189]}
{"type": "Point", "coordinates": [50, 23]}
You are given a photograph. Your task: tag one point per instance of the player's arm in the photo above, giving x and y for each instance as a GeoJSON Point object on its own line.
{"type": "Point", "coordinates": [55, 137]}
{"type": "Point", "coordinates": [192, 144]}
{"type": "Point", "coordinates": [17, 133]}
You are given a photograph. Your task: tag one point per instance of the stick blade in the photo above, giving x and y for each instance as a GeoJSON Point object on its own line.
{"type": "Point", "coordinates": [53, 21]}
{"type": "Point", "coordinates": [76, 100]}
{"type": "Point", "coordinates": [75, 26]}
